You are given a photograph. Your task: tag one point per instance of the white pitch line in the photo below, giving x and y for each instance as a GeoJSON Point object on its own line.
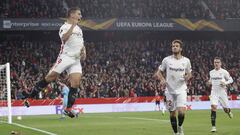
{"type": "Point", "coordinates": [27, 127]}
{"type": "Point", "coordinates": [131, 118]}
{"type": "Point", "coordinates": [137, 118]}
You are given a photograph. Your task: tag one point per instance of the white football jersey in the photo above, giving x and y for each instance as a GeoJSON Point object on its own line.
{"type": "Point", "coordinates": [75, 42]}
{"type": "Point", "coordinates": [216, 76]}
{"type": "Point", "coordinates": [175, 71]}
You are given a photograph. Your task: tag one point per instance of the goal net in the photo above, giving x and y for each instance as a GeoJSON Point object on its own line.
{"type": "Point", "coordinates": [5, 94]}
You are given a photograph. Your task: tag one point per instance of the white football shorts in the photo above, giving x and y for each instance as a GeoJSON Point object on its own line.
{"type": "Point", "coordinates": [175, 100]}
{"type": "Point", "coordinates": [70, 64]}
{"type": "Point", "coordinates": [219, 96]}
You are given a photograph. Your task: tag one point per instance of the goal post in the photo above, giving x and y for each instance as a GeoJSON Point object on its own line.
{"type": "Point", "coordinates": [5, 93]}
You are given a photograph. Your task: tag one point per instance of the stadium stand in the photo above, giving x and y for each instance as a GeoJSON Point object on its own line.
{"type": "Point", "coordinates": [32, 9]}
{"type": "Point", "coordinates": [208, 9]}
{"type": "Point", "coordinates": [118, 68]}
{"type": "Point", "coordinates": [224, 9]}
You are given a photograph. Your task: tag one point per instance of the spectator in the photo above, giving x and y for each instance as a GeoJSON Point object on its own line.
{"type": "Point", "coordinates": [119, 68]}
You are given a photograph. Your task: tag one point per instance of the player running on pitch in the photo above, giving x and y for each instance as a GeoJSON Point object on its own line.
{"type": "Point", "coordinates": [219, 78]}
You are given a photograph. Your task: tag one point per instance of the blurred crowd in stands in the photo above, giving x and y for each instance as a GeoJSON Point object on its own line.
{"type": "Point", "coordinates": [32, 9]}
{"type": "Point", "coordinates": [118, 68]}
{"type": "Point", "coordinates": [214, 9]}
{"type": "Point", "coordinates": [224, 9]}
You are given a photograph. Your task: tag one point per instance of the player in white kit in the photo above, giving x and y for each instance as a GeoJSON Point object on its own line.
{"type": "Point", "coordinates": [72, 50]}
{"type": "Point", "coordinates": [178, 72]}
{"type": "Point", "coordinates": [219, 78]}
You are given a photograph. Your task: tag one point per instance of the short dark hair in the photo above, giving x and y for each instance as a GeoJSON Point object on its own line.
{"type": "Point", "coordinates": [218, 58]}
{"type": "Point", "coordinates": [178, 41]}
{"type": "Point", "coordinates": [72, 10]}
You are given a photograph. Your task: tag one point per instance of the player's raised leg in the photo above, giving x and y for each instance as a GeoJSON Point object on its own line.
{"type": "Point", "coordinates": [39, 86]}
{"type": "Point", "coordinates": [229, 112]}
{"type": "Point", "coordinates": [223, 99]}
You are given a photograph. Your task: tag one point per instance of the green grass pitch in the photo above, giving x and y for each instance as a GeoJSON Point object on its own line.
{"type": "Point", "coordinates": [125, 123]}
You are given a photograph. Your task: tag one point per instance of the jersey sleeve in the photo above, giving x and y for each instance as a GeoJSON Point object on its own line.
{"type": "Point", "coordinates": [189, 66]}
{"type": "Point", "coordinates": [62, 31]}
{"type": "Point", "coordinates": [210, 78]}
{"type": "Point", "coordinates": [228, 78]}
{"type": "Point", "coordinates": [163, 65]}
